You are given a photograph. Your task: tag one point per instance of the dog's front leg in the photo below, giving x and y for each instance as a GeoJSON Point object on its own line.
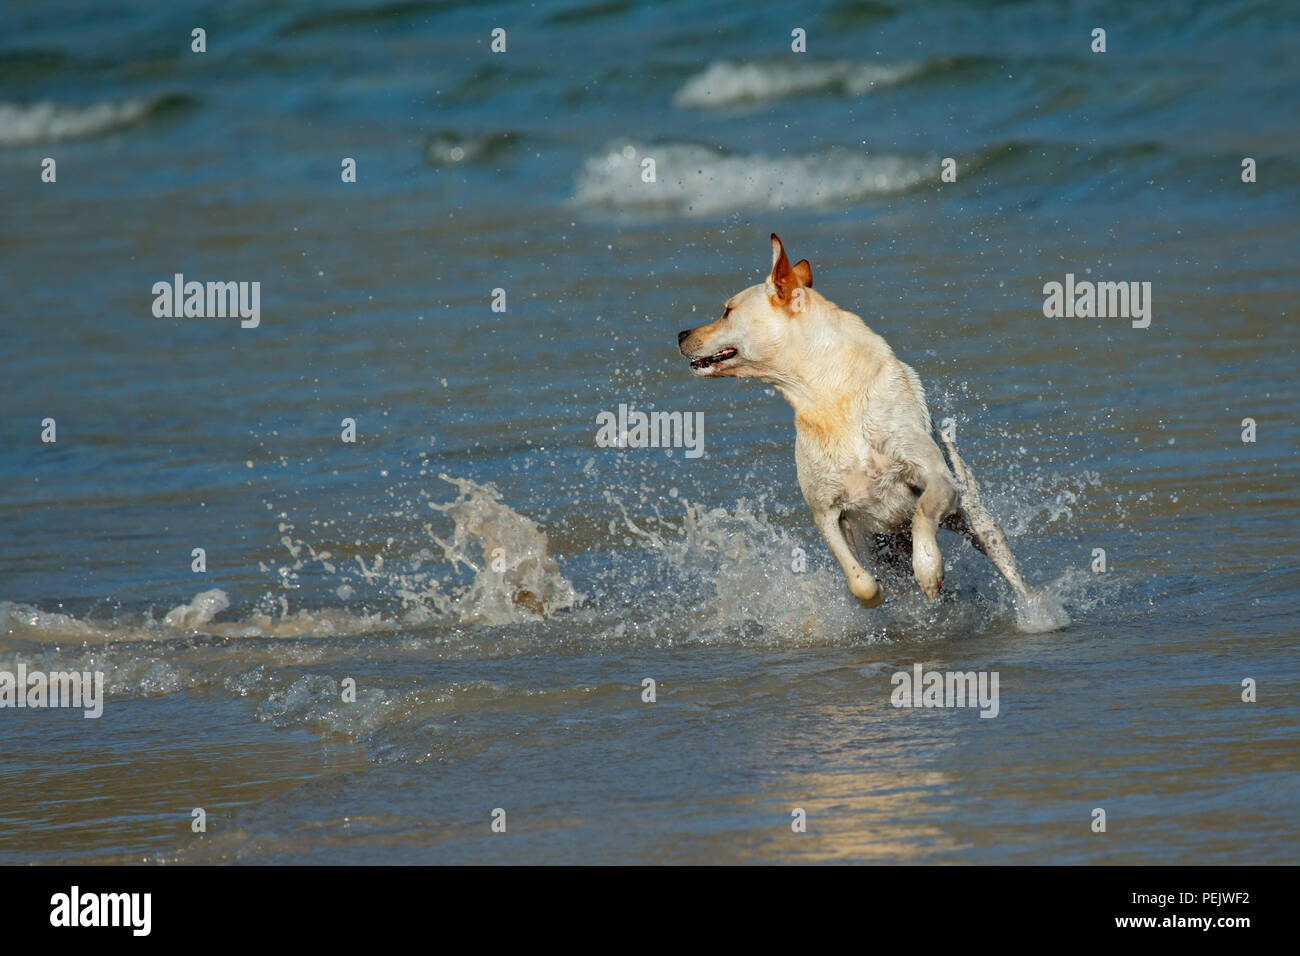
{"type": "Point", "coordinates": [864, 587]}
{"type": "Point", "coordinates": [938, 498]}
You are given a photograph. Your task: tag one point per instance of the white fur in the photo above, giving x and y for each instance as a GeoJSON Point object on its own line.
{"type": "Point", "coordinates": [869, 460]}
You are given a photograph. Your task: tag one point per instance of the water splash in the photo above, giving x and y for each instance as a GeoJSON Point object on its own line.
{"type": "Point", "coordinates": [495, 568]}
{"type": "Point", "coordinates": [199, 611]}
{"type": "Point", "coordinates": [698, 574]}
{"type": "Point", "coordinates": [1041, 612]}
{"type": "Point", "coordinates": [737, 575]}
{"type": "Point", "coordinates": [512, 579]}
{"type": "Point", "coordinates": [515, 577]}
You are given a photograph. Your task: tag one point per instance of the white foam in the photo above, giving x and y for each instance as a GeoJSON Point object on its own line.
{"type": "Point", "coordinates": [31, 623]}
{"type": "Point", "coordinates": [728, 83]}
{"type": "Point", "coordinates": [702, 181]}
{"type": "Point", "coordinates": [47, 122]}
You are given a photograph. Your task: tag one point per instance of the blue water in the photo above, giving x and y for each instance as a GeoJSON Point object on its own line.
{"type": "Point", "coordinates": [521, 171]}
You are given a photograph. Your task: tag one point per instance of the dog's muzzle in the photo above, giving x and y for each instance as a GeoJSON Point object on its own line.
{"type": "Point", "coordinates": [713, 359]}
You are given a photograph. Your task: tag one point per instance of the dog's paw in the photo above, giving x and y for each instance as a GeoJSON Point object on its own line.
{"type": "Point", "coordinates": [868, 591]}
{"type": "Point", "coordinates": [927, 568]}
{"type": "Point", "coordinates": [874, 602]}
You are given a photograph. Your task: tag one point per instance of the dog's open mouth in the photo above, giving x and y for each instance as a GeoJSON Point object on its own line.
{"type": "Point", "coordinates": [713, 359]}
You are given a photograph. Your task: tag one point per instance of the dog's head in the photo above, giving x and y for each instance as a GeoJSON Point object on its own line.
{"type": "Point", "coordinates": [752, 335]}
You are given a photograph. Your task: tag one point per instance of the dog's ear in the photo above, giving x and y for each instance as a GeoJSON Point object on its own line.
{"type": "Point", "coordinates": [786, 278]}
{"type": "Point", "coordinates": [778, 254]}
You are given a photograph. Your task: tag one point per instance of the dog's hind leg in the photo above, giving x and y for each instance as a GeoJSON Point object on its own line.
{"type": "Point", "coordinates": [980, 526]}
{"type": "Point", "coordinates": [864, 587]}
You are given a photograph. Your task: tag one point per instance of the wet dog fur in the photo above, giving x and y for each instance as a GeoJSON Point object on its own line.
{"type": "Point", "coordinates": [879, 477]}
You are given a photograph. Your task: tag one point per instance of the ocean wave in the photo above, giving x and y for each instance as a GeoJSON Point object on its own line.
{"type": "Point", "coordinates": [699, 180]}
{"type": "Point", "coordinates": [729, 83]}
{"type": "Point", "coordinates": [27, 623]}
{"type": "Point", "coordinates": [49, 122]}
{"type": "Point", "coordinates": [451, 148]}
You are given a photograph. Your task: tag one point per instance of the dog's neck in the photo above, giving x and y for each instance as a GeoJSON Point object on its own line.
{"type": "Point", "coordinates": [808, 398]}
{"type": "Point", "coordinates": [838, 381]}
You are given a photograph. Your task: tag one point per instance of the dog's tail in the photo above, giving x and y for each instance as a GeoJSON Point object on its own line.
{"type": "Point", "coordinates": [981, 527]}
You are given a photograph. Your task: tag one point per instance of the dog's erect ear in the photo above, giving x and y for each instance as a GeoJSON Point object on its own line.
{"type": "Point", "coordinates": [785, 277]}
{"type": "Point", "coordinates": [778, 254]}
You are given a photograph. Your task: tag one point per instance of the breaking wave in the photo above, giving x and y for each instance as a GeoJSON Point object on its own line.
{"type": "Point", "coordinates": [729, 83]}
{"type": "Point", "coordinates": [701, 181]}
{"type": "Point", "coordinates": [48, 122]}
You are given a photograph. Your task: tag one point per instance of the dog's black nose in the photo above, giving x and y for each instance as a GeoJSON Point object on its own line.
{"type": "Point", "coordinates": [681, 336]}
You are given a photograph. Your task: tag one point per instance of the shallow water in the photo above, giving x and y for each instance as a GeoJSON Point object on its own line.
{"type": "Point", "coordinates": [520, 686]}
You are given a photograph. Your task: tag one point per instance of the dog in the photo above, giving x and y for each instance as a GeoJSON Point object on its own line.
{"type": "Point", "coordinates": [879, 477]}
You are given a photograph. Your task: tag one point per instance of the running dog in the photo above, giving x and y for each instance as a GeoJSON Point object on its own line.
{"type": "Point", "coordinates": [879, 477]}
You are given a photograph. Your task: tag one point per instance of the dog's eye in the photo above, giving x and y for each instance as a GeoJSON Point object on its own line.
{"type": "Point", "coordinates": [726, 311]}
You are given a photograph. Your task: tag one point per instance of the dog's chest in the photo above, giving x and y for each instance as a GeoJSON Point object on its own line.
{"type": "Point", "coordinates": [861, 473]}
{"type": "Point", "coordinates": [855, 476]}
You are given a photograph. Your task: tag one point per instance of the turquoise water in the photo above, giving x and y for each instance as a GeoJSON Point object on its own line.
{"type": "Point", "coordinates": [521, 690]}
